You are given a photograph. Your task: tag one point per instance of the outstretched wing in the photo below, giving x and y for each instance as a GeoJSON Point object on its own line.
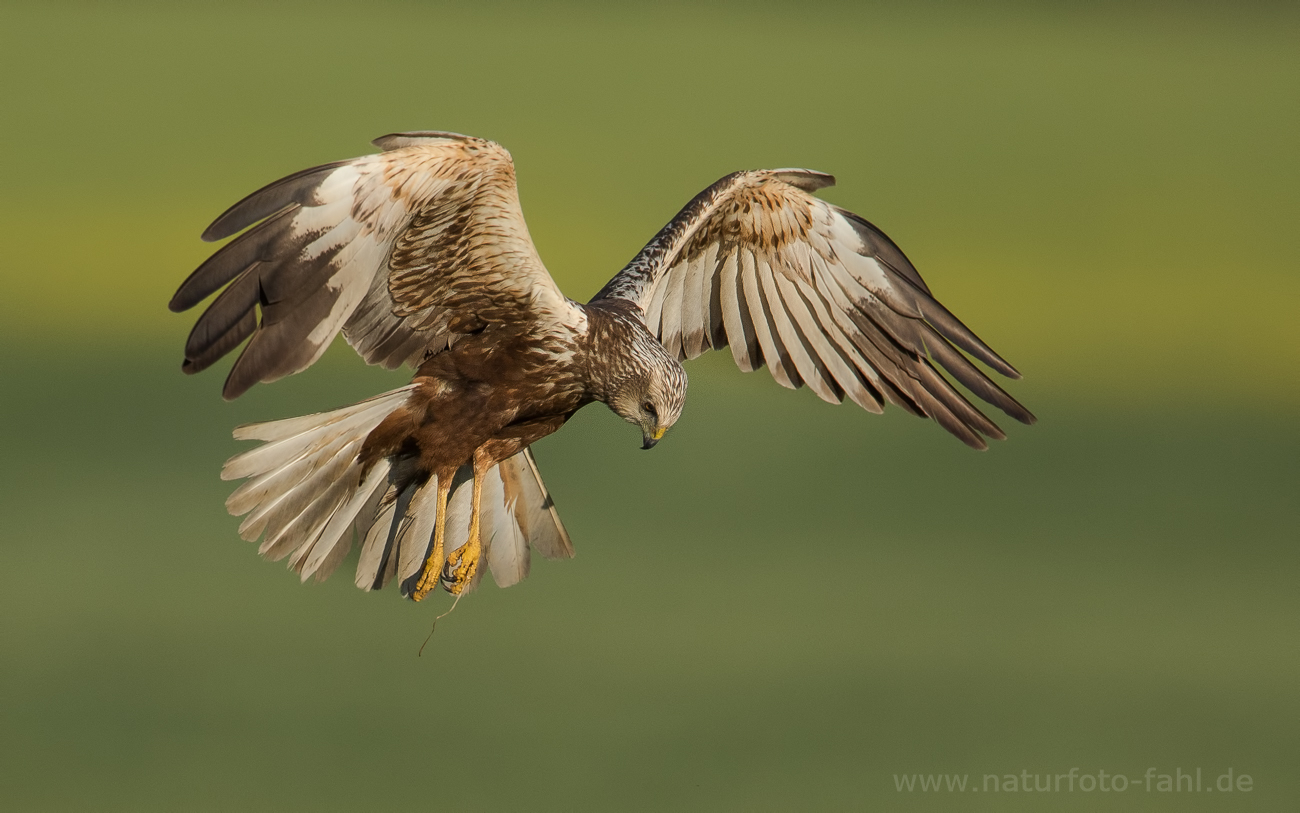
{"type": "Point", "coordinates": [816, 293]}
{"type": "Point", "coordinates": [403, 251]}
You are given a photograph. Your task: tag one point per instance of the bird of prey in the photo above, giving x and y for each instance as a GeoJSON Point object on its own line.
{"type": "Point", "coordinates": [419, 254]}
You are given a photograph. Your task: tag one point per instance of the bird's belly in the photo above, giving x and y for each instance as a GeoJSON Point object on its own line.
{"type": "Point", "coordinates": [456, 421]}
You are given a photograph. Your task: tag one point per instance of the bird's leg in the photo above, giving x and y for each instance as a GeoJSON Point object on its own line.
{"type": "Point", "coordinates": [433, 565]}
{"type": "Point", "coordinates": [463, 562]}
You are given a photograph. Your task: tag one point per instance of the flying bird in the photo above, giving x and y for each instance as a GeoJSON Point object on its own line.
{"type": "Point", "coordinates": [420, 255]}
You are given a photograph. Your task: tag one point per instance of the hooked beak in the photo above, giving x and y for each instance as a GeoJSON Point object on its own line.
{"type": "Point", "coordinates": [650, 439]}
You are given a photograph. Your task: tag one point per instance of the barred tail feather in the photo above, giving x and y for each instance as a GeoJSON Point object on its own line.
{"type": "Point", "coordinates": [306, 497]}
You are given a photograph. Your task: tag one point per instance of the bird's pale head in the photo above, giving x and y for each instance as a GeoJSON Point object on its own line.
{"type": "Point", "coordinates": [652, 398]}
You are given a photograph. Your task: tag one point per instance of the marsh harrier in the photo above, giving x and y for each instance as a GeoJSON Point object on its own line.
{"type": "Point", "coordinates": [420, 256]}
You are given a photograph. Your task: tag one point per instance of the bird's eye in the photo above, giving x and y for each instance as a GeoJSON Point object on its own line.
{"type": "Point", "coordinates": [650, 409]}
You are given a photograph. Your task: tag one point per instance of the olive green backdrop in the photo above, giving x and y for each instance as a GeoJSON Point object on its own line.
{"type": "Point", "coordinates": [786, 605]}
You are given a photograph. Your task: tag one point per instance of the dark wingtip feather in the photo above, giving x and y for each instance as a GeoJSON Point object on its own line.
{"type": "Point", "coordinates": [970, 376]}
{"type": "Point", "coordinates": [231, 260]}
{"type": "Point", "coordinates": [886, 251]}
{"type": "Point", "coordinates": [233, 388]}
{"type": "Point", "coordinates": [245, 373]}
{"type": "Point", "coordinates": [289, 190]}
{"type": "Point", "coordinates": [952, 329]}
{"type": "Point", "coordinates": [231, 308]}
{"type": "Point", "coordinates": [955, 403]}
{"type": "Point", "coordinates": [960, 430]}
{"type": "Point", "coordinates": [221, 345]}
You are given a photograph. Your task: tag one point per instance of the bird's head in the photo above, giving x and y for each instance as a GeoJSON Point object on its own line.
{"type": "Point", "coordinates": [653, 398]}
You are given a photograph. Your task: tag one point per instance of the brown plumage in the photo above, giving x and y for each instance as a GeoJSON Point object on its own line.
{"type": "Point", "coordinates": [419, 255]}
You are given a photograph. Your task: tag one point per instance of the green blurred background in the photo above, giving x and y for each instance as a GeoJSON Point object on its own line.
{"type": "Point", "coordinates": [786, 604]}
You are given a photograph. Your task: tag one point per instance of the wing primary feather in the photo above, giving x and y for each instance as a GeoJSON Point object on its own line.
{"type": "Point", "coordinates": [842, 358]}
{"type": "Point", "coordinates": [877, 244]}
{"type": "Point", "coordinates": [895, 362]}
{"type": "Point", "coordinates": [972, 378]}
{"type": "Point", "coordinates": [847, 303]}
{"type": "Point", "coordinates": [231, 307]}
{"type": "Point", "coordinates": [888, 361]}
{"type": "Point", "coordinates": [235, 257]}
{"type": "Point", "coordinates": [828, 303]}
{"type": "Point", "coordinates": [942, 415]}
{"type": "Point", "coordinates": [284, 343]}
{"type": "Point", "coordinates": [965, 411]}
{"type": "Point", "coordinates": [952, 329]}
{"type": "Point", "coordinates": [818, 294]}
{"type": "Point", "coordinates": [400, 250]}
{"type": "Point", "coordinates": [218, 348]}
{"type": "Point", "coordinates": [268, 200]}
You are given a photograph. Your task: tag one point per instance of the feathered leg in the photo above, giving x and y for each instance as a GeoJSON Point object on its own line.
{"type": "Point", "coordinates": [464, 560]}
{"type": "Point", "coordinates": [457, 570]}
{"type": "Point", "coordinates": [433, 565]}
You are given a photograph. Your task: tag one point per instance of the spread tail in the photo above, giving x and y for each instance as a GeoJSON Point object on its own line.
{"type": "Point", "coordinates": [307, 499]}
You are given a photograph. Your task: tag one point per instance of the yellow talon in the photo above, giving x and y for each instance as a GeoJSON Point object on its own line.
{"type": "Point", "coordinates": [461, 565]}
{"type": "Point", "coordinates": [457, 570]}
{"type": "Point", "coordinates": [429, 577]}
{"type": "Point", "coordinates": [433, 565]}
{"type": "Point", "coordinates": [463, 562]}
